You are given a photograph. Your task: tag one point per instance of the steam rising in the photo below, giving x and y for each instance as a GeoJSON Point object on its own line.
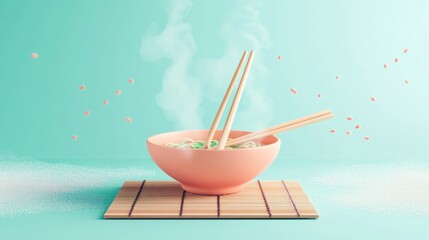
{"type": "Point", "coordinates": [181, 96]}
{"type": "Point", "coordinates": [243, 30]}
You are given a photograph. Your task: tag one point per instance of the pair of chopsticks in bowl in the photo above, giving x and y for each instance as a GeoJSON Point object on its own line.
{"type": "Point", "coordinates": [287, 126]}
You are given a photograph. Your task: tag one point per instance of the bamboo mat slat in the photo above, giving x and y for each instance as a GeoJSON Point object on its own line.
{"type": "Point", "coordinates": [166, 199]}
{"type": "Point", "coordinates": [123, 202]}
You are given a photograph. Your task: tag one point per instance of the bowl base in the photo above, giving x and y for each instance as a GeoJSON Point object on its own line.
{"type": "Point", "coordinates": [213, 191]}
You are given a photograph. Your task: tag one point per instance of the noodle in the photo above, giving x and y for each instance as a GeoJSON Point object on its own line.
{"type": "Point", "coordinates": [189, 143]}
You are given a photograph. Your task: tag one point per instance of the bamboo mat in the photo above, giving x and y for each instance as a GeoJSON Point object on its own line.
{"type": "Point", "coordinates": [166, 199]}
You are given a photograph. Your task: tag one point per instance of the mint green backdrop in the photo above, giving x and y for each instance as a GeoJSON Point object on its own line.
{"type": "Point", "coordinates": [188, 64]}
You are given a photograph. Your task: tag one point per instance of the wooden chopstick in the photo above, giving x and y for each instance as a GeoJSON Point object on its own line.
{"type": "Point", "coordinates": [223, 104]}
{"type": "Point", "coordinates": [279, 130]}
{"type": "Point", "coordinates": [233, 109]}
{"type": "Point", "coordinates": [283, 127]}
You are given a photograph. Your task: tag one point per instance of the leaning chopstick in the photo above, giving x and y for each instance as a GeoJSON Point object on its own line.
{"type": "Point", "coordinates": [233, 109]}
{"type": "Point", "coordinates": [223, 104]}
{"type": "Point", "coordinates": [281, 125]}
{"type": "Point", "coordinates": [287, 126]}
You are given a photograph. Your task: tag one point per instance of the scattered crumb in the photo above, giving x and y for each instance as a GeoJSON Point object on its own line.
{"type": "Point", "coordinates": [29, 186]}
{"type": "Point", "coordinates": [396, 189]}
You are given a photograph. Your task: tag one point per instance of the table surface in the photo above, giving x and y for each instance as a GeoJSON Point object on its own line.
{"type": "Point", "coordinates": [339, 221]}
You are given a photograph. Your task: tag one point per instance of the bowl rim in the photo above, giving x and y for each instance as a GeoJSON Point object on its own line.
{"type": "Point", "coordinates": [149, 140]}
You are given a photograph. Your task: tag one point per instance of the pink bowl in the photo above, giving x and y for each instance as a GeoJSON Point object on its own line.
{"type": "Point", "coordinates": [211, 172]}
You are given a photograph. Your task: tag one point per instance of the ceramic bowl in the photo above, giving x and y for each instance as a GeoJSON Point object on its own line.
{"type": "Point", "coordinates": [211, 171]}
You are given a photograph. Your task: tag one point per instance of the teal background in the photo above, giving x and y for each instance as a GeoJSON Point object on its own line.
{"type": "Point", "coordinates": [98, 44]}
